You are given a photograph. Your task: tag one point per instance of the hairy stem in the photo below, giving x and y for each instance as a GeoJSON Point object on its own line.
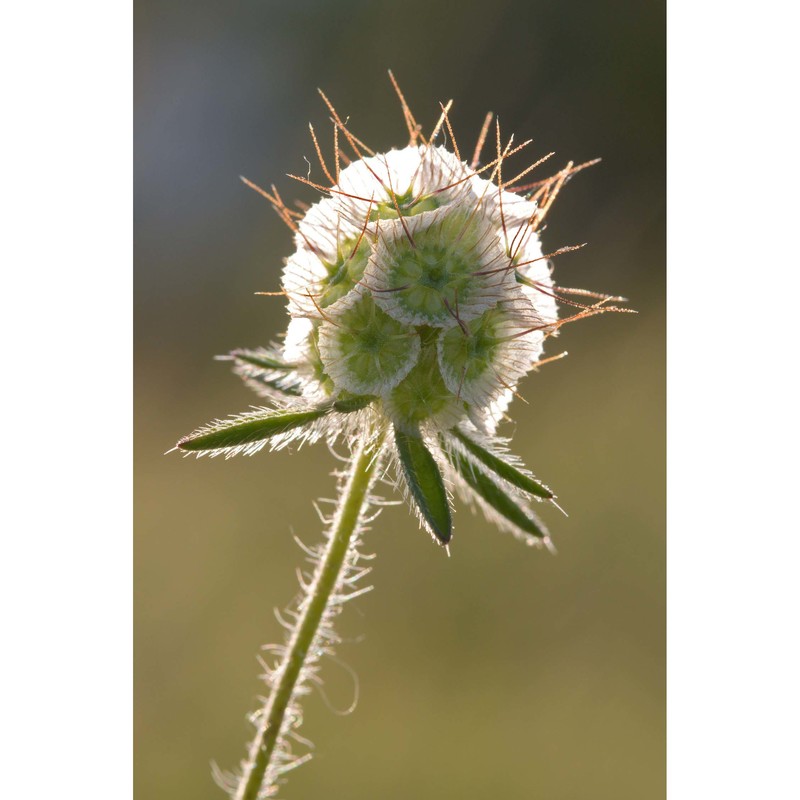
{"type": "Point", "coordinates": [351, 508]}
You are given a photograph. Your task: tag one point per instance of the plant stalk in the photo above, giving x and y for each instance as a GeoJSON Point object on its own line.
{"type": "Point", "coordinates": [353, 502]}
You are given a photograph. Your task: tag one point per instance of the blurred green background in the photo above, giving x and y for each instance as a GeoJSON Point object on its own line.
{"type": "Point", "coordinates": [500, 672]}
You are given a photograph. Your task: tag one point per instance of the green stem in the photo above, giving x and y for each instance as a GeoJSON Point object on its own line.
{"type": "Point", "coordinates": [353, 502]}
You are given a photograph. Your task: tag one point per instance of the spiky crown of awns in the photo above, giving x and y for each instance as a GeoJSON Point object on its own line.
{"type": "Point", "coordinates": [419, 296]}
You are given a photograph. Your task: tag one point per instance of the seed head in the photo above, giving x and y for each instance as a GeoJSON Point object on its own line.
{"type": "Point", "coordinates": [419, 296]}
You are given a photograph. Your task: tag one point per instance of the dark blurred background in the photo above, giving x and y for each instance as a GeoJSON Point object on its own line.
{"type": "Point", "coordinates": [500, 672]}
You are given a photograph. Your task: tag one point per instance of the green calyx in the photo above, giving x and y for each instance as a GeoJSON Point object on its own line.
{"type": "Point", "coordinates": [433, 273]}
{"type": "Point", "coordinates": [408, 204]}
{"type": "Point", "coordinates": [470, 356]}
{"type": "Point", "coordinates": [422, 394]}
{"type": "Point", "coordinates": [345, 272]}
{"type": "Point", "coordinates": [363, 349]}
{"type": "Point", "coordinates": [316, 364]}
{"type": "Point", "coordinates": [470, 352]}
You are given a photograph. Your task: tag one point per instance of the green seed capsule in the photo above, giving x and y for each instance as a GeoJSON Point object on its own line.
{"type": "Point", "coordinates": [425, 269]}
{"type": "Point", "coordinates": [364, 350]}
{"type": "Point", "coordinates": [481, 358]}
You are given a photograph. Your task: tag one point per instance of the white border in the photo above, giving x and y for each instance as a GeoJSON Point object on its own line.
{"type": "Point", "coordinates": [733, 401]}
{"type": "Point", "coordinates": [65, 569]}
{"type": "Point", "coordinates": [733, 550]}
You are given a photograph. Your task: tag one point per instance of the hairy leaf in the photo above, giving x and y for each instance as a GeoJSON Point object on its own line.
{"type": "Point", "coordinates": [425, 483]}
{"type": "Point", "coordinates": [502, 468]}
{"type": "Point", "coordinates": [501, 501]}
{"type": "Point", "coordinates": [262, 359]}
{"type": "Point", "coordinates": [248, 429]}
{"type": "Point", "coordinates": [266, 373]}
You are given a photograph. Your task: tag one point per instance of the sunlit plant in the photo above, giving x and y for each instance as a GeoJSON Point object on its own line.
{"type": "Point", "coordinates": [419, 296]}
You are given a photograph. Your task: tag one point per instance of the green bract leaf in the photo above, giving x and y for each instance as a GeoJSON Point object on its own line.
{"type": "Point", "coordinates": [502, 468]}
{"type": "Point", "coordinates": [261, 359]}
{"type": "Point", "coordinates": [248, 429]}
{"type": "Point", "coordinates": [501, 501]}
{"type": "Point", "coordinates": [267, 386]}
{"type": "Point", "coordinates": [266, 373]}
{"type": "Point", "coordinates": [425, 483]}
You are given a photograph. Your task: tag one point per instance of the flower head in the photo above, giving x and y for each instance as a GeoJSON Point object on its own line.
{"type": "Point", "coordinates": [419, 296]}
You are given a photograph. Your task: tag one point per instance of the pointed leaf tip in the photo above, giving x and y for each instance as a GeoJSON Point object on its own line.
{"type": "Point", "coordinates": [425, 483]}
{"type": "Point", "coordinates": [262, 359]}
{"type": "Point", "coordinates": [247, 429]}
{"type": "Point", "coordinates": [497, 497]}
{"type": "Point", "coordinates": [506, 471]}
{"type": "Point", "coordinates": [266, 373]}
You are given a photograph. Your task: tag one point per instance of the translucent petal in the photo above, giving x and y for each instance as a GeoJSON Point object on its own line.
{"type": "Point", "coordinates": [323, 227]}
{"type": "Point", "coordinates": [505, 208]}
{"type": "Point", "coordinates": [420, 178]}
{"type": "Point", "coordinates": [301, 349]}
